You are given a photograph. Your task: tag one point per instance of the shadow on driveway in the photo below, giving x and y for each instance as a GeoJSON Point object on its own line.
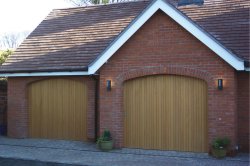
{"type": "Point", "coordinates": [40, 152]}
{"type": "Point", "coordinates": [21, 162]}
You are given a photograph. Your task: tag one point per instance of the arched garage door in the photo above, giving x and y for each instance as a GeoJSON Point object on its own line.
{"type": "Point", "coordinates": [166, 112]}
{"type": "Point", "coordinates": [57, 109]}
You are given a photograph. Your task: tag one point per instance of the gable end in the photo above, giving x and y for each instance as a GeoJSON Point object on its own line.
{"type": "Point", "coordinates": [182, 20]}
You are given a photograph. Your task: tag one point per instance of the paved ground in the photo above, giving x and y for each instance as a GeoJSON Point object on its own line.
{"type": "Point", "coordinates": [21, 162]}
{"type": "Point", "coordinates": [25, 152]}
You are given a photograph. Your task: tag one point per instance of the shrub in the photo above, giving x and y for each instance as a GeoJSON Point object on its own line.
{"type": "Point", "coordinates": [221, 143]}
{"type": "Point", "coordinates": [3, 82]}
{"type": "Point", "coordinates": [106, 136]}
{"type": "Point", "coordinates": [4, 55]}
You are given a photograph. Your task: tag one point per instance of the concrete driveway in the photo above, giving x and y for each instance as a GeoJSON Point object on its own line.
{"type": "Point", "coordinates": [25, 152]}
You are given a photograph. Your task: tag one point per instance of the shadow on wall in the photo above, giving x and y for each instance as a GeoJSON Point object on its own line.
{"type": "Point", "coordinates": [3, 106]}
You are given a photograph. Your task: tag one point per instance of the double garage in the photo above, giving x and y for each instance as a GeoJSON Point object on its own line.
{"type": "Point", "coordinates": [161, 77]}
{"type": "Point", "coordinates": [166, 112]}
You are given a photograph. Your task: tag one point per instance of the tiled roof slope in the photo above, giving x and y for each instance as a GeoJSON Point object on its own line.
{"type": "Point", "coordinates": [227, 20]}
{"type": "Point", "coordinates": [70, 39]}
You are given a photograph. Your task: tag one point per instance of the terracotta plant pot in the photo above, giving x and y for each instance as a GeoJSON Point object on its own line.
{"type": "Point", "coordinates": [219, 153]}
{"type": "Point", "coordinates": [106, 145]}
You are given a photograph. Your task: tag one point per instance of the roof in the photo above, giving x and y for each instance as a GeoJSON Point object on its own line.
{"type": "Point", "coordinates": [226, 20]}
{"type": "Point", "coordinates": [70, 39]}
{"type": "Point", "coordinates": [74, 39]}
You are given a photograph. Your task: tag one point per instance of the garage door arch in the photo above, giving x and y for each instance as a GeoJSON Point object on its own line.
{"type": "Point", "coordinates": [167, 112]}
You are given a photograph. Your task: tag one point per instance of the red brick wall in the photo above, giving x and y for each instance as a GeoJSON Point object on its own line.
{"type": "Point", "coordinates": [3, 102]}
{"type": "Point", "coordinates": [18, 105]}
{"type": "Point", "coordinates": [161, 46]}
{"type": "Point", "coordinates": [243, 111]}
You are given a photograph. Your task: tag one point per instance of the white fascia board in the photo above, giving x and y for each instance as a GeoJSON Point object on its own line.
{"type": "Point", "coordinates": [75, 73]}
{"type": "Point", "coordinates": [176, 15]}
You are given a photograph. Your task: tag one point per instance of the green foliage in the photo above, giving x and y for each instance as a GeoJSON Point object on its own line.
{"type": "Point", "coordinates": [88, 2]}
{"type": "Point", "coordinates": [3, 82]}
{"type": "Point", "coordinates": [4, 55]}
{"type": "Point", "coordinates": [221, 143]}
{"type": "Point", "coordinates": [106, 136]}
{"type": "Point", "coordinates": [99, 2]}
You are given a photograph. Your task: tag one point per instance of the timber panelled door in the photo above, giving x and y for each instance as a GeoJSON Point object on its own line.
{"type": "Point", "coordinates": [166, 112]}
{"type": "Point", "coordinates": [57, 109]}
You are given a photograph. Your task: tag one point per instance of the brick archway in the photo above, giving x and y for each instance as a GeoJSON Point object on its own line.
{"type": "Point", "coordinates": [163, 70]}
{"type": "Point", "coordinates": [174, 70]}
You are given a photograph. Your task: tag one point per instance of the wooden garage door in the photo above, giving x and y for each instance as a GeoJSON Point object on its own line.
{"type": "Point", "coordinates": [57, 109]}
{"type": "Point", "coordinates": [166, 112]}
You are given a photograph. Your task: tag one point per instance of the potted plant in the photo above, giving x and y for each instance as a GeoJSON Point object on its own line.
{"type": "Point", "coordinates": [219, 147]}
{"type": "Point", "coordinates": [105, 142]}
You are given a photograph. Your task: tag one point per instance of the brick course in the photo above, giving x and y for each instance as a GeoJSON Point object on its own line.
{"type": "Point", "coordinates": [243, 111]}
{"type": "Point", "coordinates": [161, 46]}
{"type": "Point", "coordinates": [18, 105]}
